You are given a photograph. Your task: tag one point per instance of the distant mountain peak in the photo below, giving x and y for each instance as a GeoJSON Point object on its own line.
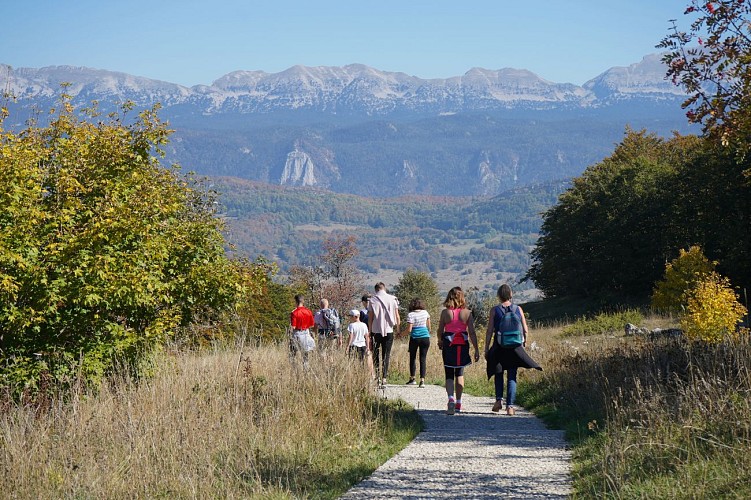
{"type": "Point", "coordinates": [644, 78]}
{"type": "Point", "coordinates": [354, 88]}
{"type": "Point", "coordinates": [358, 129]}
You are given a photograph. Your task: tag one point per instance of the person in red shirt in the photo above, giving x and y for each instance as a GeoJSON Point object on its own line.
{"type": "Point", "coordinates": [300, 322]}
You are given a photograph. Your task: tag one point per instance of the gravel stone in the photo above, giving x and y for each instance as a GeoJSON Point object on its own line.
{"type": "Point", "coordinates": [472, 454]}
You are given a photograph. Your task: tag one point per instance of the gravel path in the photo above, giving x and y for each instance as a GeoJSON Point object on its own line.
{"type": "Point", "coordinates": [473, 454]}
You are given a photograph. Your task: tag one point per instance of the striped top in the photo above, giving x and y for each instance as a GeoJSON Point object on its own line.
{"type": "Point", "coordinates": [419, 321]}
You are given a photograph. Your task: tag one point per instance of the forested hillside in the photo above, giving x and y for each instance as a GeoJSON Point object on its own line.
{"type": "Point", "coordinates": [612, 232]}
{"type": "Point", "coordinates": [468, 235]}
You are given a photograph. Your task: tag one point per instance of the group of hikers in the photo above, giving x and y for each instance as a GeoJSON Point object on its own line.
{"type": "Point", "coordinates": [373, 327]}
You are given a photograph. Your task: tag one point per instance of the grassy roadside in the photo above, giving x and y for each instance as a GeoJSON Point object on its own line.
{"type": "Point", "coordinates": [217, 424]}
{"type": "Point", "coordinates": [658, 418]}
{"type": "Point", "coordinates": [647, 418]}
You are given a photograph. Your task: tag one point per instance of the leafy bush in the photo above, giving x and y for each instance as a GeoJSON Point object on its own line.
{"type": "Point", "coordinates": [103, 252]}
{"type": "Point", "coordinates": [414, 284]}
{"type": "Point", "coordinates": [681, 274]}
{"type": "Point", "coordinates": [713, 312]}
{"type": "Point", "coordinates": [604, 323]}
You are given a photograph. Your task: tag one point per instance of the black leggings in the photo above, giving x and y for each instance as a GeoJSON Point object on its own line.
{"type": "Point", "coordinates": [423, 344]}
{"type": "Point", "coordinates": [453, 372]}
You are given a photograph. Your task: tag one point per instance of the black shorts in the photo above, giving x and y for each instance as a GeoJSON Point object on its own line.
{"type": "Point", "coordinates": [357, 351]}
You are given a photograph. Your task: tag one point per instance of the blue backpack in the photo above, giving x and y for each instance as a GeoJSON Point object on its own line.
{"type": "Point", "coordinates": [508, 326]}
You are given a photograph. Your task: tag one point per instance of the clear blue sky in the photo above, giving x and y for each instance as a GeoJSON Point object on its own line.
{"type": "Point", "coordinates": [195, 42]}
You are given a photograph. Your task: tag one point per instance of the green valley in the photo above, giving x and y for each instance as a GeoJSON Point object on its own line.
{"type": "Point", "coordinates": [463, 240]}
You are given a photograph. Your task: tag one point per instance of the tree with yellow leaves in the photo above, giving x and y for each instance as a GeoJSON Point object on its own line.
{"type": "Point", "coordinates": [681, 274]}
{"type": "Point", "coordinates": [713, 312]}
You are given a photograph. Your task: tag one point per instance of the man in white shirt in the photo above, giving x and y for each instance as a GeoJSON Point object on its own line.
{"type": "Point", "coordinates": [383, 323]}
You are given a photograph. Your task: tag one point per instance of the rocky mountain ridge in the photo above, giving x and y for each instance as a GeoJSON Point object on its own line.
{"type": "Point", "coordinates": [354, 88]}
{"type": "Point", "coordinates": [359, 130]}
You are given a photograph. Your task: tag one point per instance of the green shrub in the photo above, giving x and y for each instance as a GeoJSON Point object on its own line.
{"type": "Point", "coordinates": [604, 323]}
{"type": "Point", "coordinates": [103, 252]}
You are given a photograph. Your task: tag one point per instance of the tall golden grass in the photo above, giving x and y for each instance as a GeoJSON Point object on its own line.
{"type": "Point", "coordinates": [227, 423]}
{"type": "Point", "coordinates": [648, 418]}
{"type": "Point", "coordinates": [652, 418]}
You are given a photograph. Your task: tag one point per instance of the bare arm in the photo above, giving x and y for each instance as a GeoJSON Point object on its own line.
{"type": "Point", "coordinates": [525, 330]}
{"type": "Point", "coordinates": [489, 332]}
{"type": "Point", "coordinates": [441, 327]}
{"type": "Point", "coordinates": [473, 334]}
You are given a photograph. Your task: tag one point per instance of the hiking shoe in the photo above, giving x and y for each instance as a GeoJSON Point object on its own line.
{"type": "Point", "coordinates": [458, 407]}
{"type": "Point", "coordinates": [422, 384]}
{"type": "Point", "coordinates": [411, 382]}
{"type": "Point", "coordinates": [497, 406]}
{"type": "Point", "coordinates": [451, 408]}
{"type": "Point", "coordinates": [510, 410]}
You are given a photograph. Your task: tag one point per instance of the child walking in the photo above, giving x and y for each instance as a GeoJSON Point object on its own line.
{"type": "Point", "coordinates": [359, 339]}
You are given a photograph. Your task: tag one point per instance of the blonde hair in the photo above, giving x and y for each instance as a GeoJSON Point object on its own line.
{"type": "Point", "coordinates": [455, 299]}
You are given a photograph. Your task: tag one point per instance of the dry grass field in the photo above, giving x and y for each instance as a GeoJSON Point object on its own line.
{"type": "Point", "coordinates": [646, 417]}
{"type": "Point", "coordinates": [222, 424]}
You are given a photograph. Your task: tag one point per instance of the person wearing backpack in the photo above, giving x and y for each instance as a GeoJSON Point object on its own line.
{"type": "Point", "coordinates": [504, 347]}
{"type": "Point", "coordinates": [328, 325]}
{"type": "Point", "coordinates": [456, 329]}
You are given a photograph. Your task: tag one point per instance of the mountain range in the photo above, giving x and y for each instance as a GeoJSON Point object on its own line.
{"type": "Point", "coordinates": [360, 130]}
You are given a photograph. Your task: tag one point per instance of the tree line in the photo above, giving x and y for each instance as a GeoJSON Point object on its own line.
{"type": "Point", "coordinates": [611, 234]}
{"type": "Point", "coordinates": [614, 230]}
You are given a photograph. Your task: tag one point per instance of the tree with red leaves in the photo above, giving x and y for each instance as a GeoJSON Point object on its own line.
{"type": "Point", "coordinates": [333, 276]}
{"type": "Point", "coordinates": [716, 74]}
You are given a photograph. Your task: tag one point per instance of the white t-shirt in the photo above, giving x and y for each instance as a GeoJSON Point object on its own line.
{"type": "Point", "coordinates": [357, 331]}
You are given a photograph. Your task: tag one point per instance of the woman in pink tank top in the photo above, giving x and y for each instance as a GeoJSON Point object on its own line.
{"type": "Point", "coordinates": [456, 329]}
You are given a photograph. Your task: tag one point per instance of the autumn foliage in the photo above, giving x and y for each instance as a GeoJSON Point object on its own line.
{"type": "Point", "coordinates": [681, 274]}
{"type": "Point", "coordinates": [710, 61]}
{"type": "Point", "coordinates": [705, 301]}
{"type": "Point", "coordinates": [104, 252]}
{"type": "Point", "coordinates": [713, 313]}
